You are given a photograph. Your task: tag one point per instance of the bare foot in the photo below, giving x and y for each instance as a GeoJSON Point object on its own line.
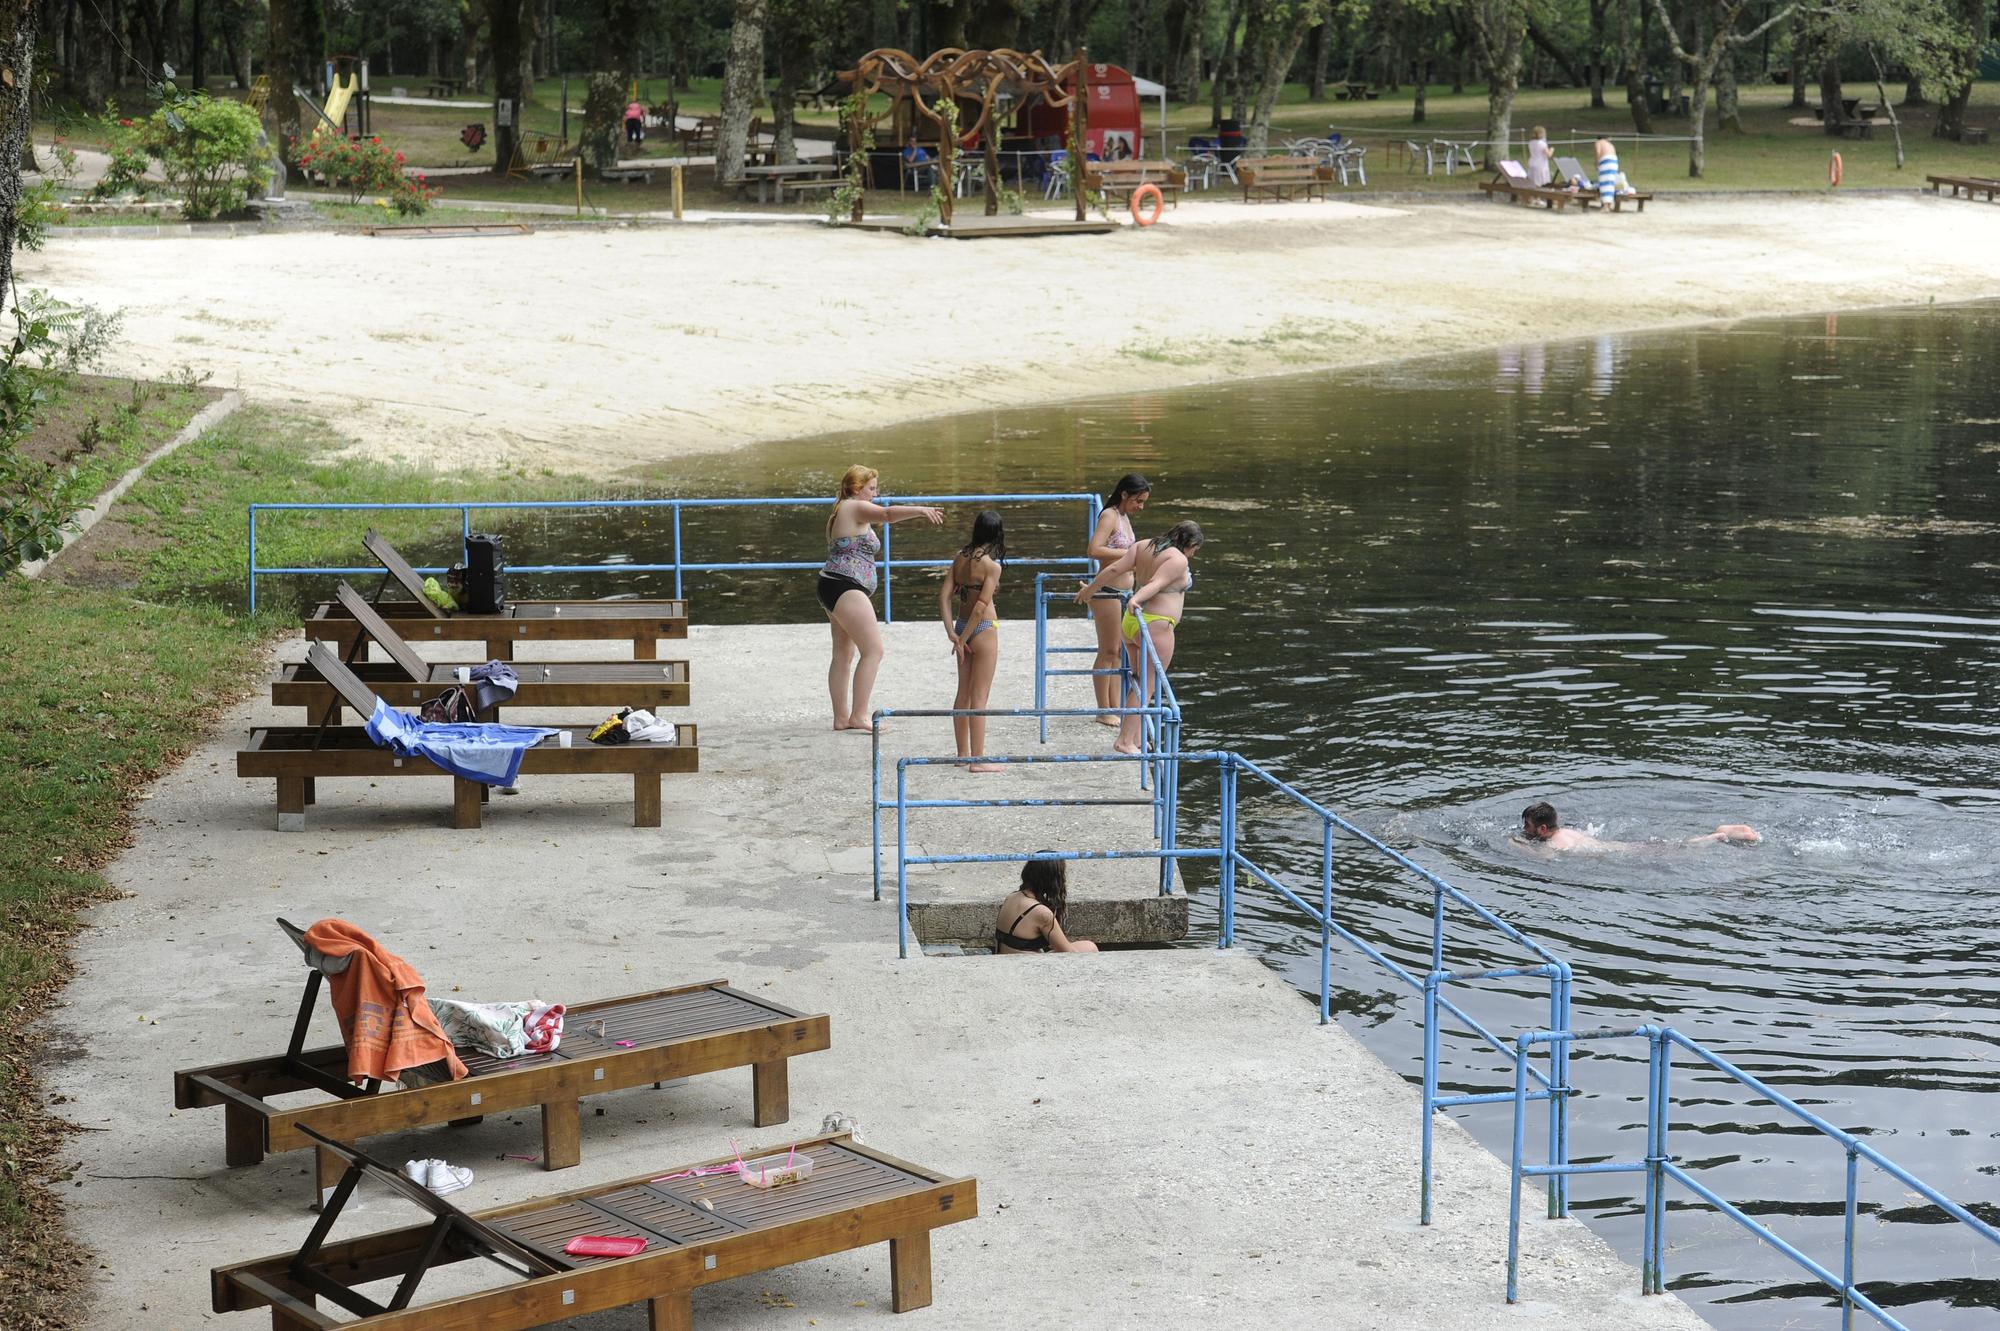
{"type": "Point", "coordinates": [987, 767]}
{"type": "Point", "coordinates": [862, 726]}
{"type": "Point", "coordinates": [1111, 721]}
{"type": "Point", "coordinates": [1121, 747]}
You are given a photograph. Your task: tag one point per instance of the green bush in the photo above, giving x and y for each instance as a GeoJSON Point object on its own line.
{"type": "Point", "coordinates": [51, 342]}
{"type": "Point", "coordinates": [208, 150]}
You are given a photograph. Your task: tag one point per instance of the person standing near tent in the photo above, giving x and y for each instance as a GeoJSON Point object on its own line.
{"type": "Point", "coordinates": [1607, 172]}
{"type": "Point", "coordinates": [635, 121]}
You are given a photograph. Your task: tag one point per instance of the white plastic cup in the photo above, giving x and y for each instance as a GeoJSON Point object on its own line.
{"type": "Point", "coordinates": [465, 674]}
{"type": "Point", "coordinates": [563, 738]}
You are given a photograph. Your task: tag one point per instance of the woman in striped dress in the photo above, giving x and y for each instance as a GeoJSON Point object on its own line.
{"type": "Point", "coordinates": [1607, 172]}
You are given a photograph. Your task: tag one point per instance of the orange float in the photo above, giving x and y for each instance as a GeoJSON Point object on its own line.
{"type": "Point", "coordinates": [1833, 170]}
{"type": "Point", "coordinates": [1151, 192]}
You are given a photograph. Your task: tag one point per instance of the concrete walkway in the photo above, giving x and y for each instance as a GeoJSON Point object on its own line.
{"type": "Point", "coordinates": [1162, 1138]}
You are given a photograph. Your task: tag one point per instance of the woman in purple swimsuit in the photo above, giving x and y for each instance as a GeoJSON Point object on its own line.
{"type": "Point", "coordinates": [1112, 538]}
{"type": "Point", "coordinates": [847, 588]}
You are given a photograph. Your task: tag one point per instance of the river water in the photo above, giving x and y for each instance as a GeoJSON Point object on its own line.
{"type": "Point", "coordinates": [1741, 574]}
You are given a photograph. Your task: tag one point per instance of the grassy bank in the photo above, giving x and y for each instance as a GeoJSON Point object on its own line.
{"type": "Point", "coordinates": [115, 663]}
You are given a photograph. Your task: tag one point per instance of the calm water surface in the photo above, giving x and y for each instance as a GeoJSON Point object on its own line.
{"type": "Point", "coordinates": [1738, 574]}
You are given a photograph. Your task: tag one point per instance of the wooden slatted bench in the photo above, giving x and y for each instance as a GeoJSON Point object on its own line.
{"type": "Point", "coordinates": [696, 1231]}
{"type": "Point", "coordinates": [674, 1033]}
{"type": "Point", "coordinates": [630, 173]}
{"type": "Point", "coordinates": [1972, 185]}
{"type": "Point", "coordinates": [1117, 180]}
{"type": "Point", "coordinates": [407, 680]}
{"type": "Point", "coordinates": [1280, 177]}
{"type": "Point", "coordinates": [297, 757]}
{"type": "Point", "coordinates": [1512, 185]}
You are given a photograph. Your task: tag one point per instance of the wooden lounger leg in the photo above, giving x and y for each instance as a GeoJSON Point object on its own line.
{"type": "Point", "coordinates": [291, 804]}
{"type": "Point", "coordinates": [312, 791]}
{"type": "Point", "coordinates": [464, 803]}
{"type": "Point", "coordinates": [671, 1312]}
{"type": "Point", "coordinates": [771, 1087]}
{"type": "Point", "coordinates": [645, 799]}
{"type": "Point", "coordinates": [910, 1271]}
{"type": "Point", "coordinates": [243, 1136]}
{"type": "Point", "coordinates": [562, 1134]}
{"type": "Point", "coordinates": [644, 649]}
{"type": "Point", "coordinates": [327, 1169]}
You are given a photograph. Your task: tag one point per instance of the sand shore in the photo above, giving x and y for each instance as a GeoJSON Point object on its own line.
{"type": "Point", "coordinates": [599, 351]}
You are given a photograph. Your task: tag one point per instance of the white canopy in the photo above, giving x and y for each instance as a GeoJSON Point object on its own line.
{"type": "Point", "coordinates": [1148, 88]}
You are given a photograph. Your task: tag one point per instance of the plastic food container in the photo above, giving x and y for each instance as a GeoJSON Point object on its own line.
{"type": "Point", "coordinates": [773, 1171]}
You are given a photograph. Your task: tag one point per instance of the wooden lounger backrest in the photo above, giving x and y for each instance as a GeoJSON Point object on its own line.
{"type": "Point", "coordinates": [399, 569]}
{"type": "Point", "coordinates": [345, 682]}
{"type": "Point", "coordinates": [1514, 171]}
{"type": "Point", "coordinates": [1572, 169]}
{"type": "Point", "coordinates": [378, 628]}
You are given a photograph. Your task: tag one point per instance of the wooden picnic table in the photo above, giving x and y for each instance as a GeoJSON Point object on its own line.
{"type": "Point", "coordinates": [445, 86]}
{"type": "Point", "coordinates": [771, 180]}
{"type": "Point", "coordinates": [1346, 91]}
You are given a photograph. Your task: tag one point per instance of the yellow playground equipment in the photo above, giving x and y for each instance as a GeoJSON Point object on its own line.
{"type": "Point", "coordinates": [346, 87]}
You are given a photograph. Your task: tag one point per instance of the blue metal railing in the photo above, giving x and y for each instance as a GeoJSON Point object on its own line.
{"type": "Point", "coordinates": [680, 566]}
{"type": "Point", "coordinates": [1658, 1167]}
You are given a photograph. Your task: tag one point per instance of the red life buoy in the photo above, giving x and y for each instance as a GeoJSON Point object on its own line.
{"type": "Point", "coordinates": [1833, 170]}
{"type": "Point", "coordinates": [1159, 203]}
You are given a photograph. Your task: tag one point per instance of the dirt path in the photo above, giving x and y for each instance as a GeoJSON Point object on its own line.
{"type": "Point", "coordinates": [605, 350]}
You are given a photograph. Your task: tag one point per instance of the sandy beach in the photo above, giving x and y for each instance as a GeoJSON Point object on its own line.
{"type": "Point", "coordinates": [597, 351]}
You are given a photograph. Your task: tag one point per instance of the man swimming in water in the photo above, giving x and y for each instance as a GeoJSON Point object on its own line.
{"type": "Point", "coordinates": [1540, 826]}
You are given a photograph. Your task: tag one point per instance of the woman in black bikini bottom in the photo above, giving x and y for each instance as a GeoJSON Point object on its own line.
{"type": "Point", "coordinates": [1031, 918]}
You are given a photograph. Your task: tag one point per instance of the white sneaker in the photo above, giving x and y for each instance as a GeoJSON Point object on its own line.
{"type": "Point", "coordinates": [446, 1178]}
{"type": "Point", "coordinates": [418, 1171]}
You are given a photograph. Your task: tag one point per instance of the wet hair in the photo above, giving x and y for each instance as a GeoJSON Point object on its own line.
{"type": "Point", "coordinates": [851, 482]}
{"type": "Point", "coordinates": [1047, 881]}
{"type": "Point", "coordinates": [1131, 483]}
{"type": "Point", "coordinates": [1182, 536]}
{"type": "Point", "coordinates": [1538, 816]}
{"type": "Point", "coordinates": [988, 537]}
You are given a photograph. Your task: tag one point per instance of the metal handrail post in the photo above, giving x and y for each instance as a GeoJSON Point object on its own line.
{"type": "Point", "coordinates": [1656, 1161]}
{"type": "Point", "coordinates": [1042, 652]}
{"type": "Point", "coordinates": [677, 596]}
{"type": "Point", "coordinates": [1649, 1248]}
{"type": "Point", "coordinates": [1437, 927]}
{"type": "Point", "coordinates": [1430, 1092]}
{"type": "Point", "coordinates": [1326, 923]}
{"type": "Point", "coordinates": [1559, 1087]}
{"type": "Point", "coordinates": [888, 576]}
{"type": "Point", "coordinates": [1226, 889]}
{"type": "Point", "coordinates": [1516, 1161]}
{"type": "Point", "coordinates": [465, 531]}
{"type": "Point", "coordinates": [253, 559]}
{"type": "Point", "coordinates": [875, 801]}
{"type": "Point", "coordinates": [1847, 1244]}
{"type": "Point", "coordinates": [902, 860]}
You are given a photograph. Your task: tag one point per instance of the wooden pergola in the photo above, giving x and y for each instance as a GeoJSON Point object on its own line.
{"type": "Point", "coordinates": [936, 86]}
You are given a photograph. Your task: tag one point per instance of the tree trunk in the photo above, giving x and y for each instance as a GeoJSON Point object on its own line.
{"type": "Point", "coordinates": [1729, 114]}
{"type": "Point", "coordinates": [623, 21]}
{"type": "Point", "coordinates": [297, 49]}
{"type": "Point", "coordinates": [1801, 54]}
{"type": "Point", "coordinates": [1631, 48]}
{"type": "Point", "coordinates": [742, 80]}
{"type": "Point", "coordinates": [1252, 43]}
{"type": "Point", "coordinates": [1423, 81]}
{"type": "Point", "coordinates": [1224, 57]}
{"type": "Point", "coordinates": [1499, 30]}
{"type": "Point", "coordinates": [1951, 112]}
{"type": "Point", "coordinates": [1597, 8]}
{"type": "Point", "coordinates": [507, 36]}
{"type": "Point", "coordinates": [1882, 95]}
{"type": "Point", "coordinates": [1317, 47]}
{"type": "Point", "coordinates": [468, 30]}
{"type": "Point", "coordinates": [1830, 93]}
{"type": "Point", "coordinates": [17, 76]}
{"type": "Point", "coordinates": [794, 43]}
{"type": "Point", "coordinates": [1697, 122]}
{"type": "Point", "coordinates": [1278, 48]}
{"type": "Point", "coordinates": [1138, 34]}
{"type": "Point", "coordinates": [197, 47]}
{"type": "Point", "coordinates": [1913, 91]}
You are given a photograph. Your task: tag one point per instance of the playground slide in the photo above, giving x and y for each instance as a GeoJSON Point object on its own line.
{"type": "Point", "coordinates": [338, 97]}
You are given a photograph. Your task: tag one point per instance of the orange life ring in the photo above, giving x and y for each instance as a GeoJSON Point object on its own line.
{"type": "Point", "coordinates": [1833, 170]}
{"type": "Point", "coordinates": [1147, 191]}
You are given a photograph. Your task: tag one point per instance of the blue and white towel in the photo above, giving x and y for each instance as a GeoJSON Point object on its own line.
{"type": "Point", "coordinates": [486, 753]}
{"type": "Point", "coordinates": [1607, 179]}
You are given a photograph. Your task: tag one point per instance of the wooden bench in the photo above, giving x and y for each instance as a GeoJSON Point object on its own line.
{"type": "Point", "coordinates": [1972, 185]}
{"type": "Point", "coordinates": [1117, 180]}
{"type": "Point", "coordinates": [696, 1227]}
{"type": "Point", "coordinates": [407, 680]}
{"type": "Point", "coordinates": [442, 86]}
{"type": "Point", "coordinates": [673, 1033]}
{"type": "Point", "coordinates": [630, 173]}
{"type": "Point", "coordinates": [296, 757]}
{"type": "Point", "coordinates": [1280, 177]}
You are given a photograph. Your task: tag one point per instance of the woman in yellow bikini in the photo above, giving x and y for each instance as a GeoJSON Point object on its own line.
{"type": "Point", "coordinates": [1162, 570]}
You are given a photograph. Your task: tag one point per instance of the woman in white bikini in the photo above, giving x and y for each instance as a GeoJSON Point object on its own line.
{"type": "Point", "coordinates": [965, 604]}
{"type": "Point", "coordinates": [846, 590]}
{"type": "Point", "coordinates": [1111, 538]}
{"type": "Point", "coordinates": [1162, 569]}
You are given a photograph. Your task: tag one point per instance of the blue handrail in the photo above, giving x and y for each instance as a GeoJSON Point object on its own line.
{"type": "Point", "coordinates": [1092, 504]}
{"type": "Point", "coordinates": [1659, 1166]}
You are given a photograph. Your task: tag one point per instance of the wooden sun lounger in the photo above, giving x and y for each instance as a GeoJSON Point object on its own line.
{"type": "Point", "coordinates": [675, 1033]}
{"type": "Point", "coordinates": [1588, 197]}
{"type": "Point", "coordinates": [1512, 185]}
{"type": "Point", "coordinates": [297, 756]}
{"type": "Point", "coordinates": [407, 680]}
{"type": "Point", "coordinates": [698, 1231]}
{"type": "Point", "coordinates": [643, 622]}
{"type": "Point", "coordinates": [1972, 185]}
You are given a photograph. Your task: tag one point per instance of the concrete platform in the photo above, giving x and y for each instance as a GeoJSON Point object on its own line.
{"type": "Point", "coordinates": [1161, 1138]}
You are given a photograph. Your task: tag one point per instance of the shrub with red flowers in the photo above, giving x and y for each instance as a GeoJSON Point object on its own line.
{"type": "Point", "coordinates": [364, 166]}
{"type": "Point", "coordinates": [125, 173]}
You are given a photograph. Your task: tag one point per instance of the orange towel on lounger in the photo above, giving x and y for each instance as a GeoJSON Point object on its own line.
{"type": "Point", "coordinates": [384, 1017]}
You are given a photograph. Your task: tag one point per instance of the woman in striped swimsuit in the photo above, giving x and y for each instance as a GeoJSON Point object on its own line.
{"type": "Point", "coordinates": [847, 587]}
{"type": "Point", "coordinates": [1112, 538]}
{"type": "Point", "coordinates": [1607, 173]}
